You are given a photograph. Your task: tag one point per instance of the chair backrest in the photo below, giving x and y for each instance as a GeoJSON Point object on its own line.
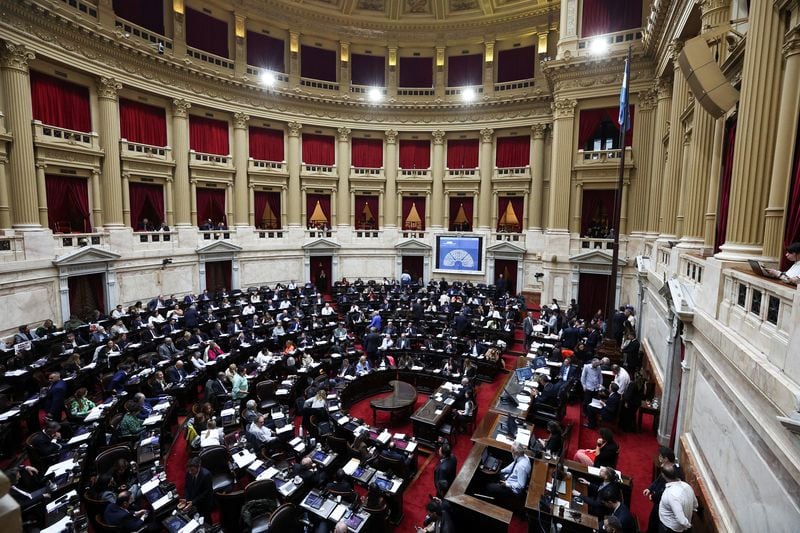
{"type": "Point", "coordinates": [265, 390]}
{"type": "Point", "coordinates": [263, 489]}
{"type": "Point", "coordinates": [94, 507]}
{"type": "Point", "coordinates": [215, 459]}
{"type": "Point", "coordinates": [106, 459]}
{"type": "Point", "coordinates": [283, 518]}
{"type": "Point", "coordinates": [337, 444]}
{"type": "Point", "coordinates": [104, 527]}
{"type": "Point", "coordinates": [230, 507]}
{"type": "Point", "coordinates": [348, 496]}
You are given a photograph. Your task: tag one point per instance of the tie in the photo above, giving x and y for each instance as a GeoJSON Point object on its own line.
{"type": "Point", "coordinates": [512, 470]}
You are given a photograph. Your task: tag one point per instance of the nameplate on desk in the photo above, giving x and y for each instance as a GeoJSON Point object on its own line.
{"type": "Point", "coordinates": [282, 391]}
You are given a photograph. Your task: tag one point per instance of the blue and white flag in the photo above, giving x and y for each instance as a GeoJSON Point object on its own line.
{"type": "Point", "coordinates": [624, 119]}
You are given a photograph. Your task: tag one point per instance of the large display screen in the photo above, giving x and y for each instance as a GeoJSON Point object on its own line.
{"type": "Point", "coordinates": [459, 254]}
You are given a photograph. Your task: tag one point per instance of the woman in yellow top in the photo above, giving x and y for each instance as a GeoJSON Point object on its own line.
{"type": "Point", "coordinates": [81, 405]}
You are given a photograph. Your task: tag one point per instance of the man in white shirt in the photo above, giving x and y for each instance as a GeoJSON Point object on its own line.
{"type": "Point", "coordinates": [621, 378]}
{"type": "Point", "coordinates": [327, 310]}
{"type": "Point", "coordinates": [793, 274]}
{"type": "Point", "coordinates": [261, 432]}
{"type": "Point", "coordinates": [678, 503]}
{"type": "Point", "coordinates": [514, 477]}
{"type": "Point", "coordinates": [249, 309]}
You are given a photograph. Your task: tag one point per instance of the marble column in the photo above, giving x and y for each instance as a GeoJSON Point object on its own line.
{"type": "Point", "coordinates": [97, 202]}
{"type": "Point", "coordinates": [686, 165]}
{"type": "Point", "coordinates": [294, 60]}
{"type": "Point", "coordinates": [537, 176]}
{"type": "Point", "coordinates": [486, 168]}
{"type": "Point", "coordinates": [488, 67]}
{"type": "Point", "coordinates": [293, 164]}
{"type": "Point", "coordinates": [437, 173]}
{"type": "Point", "coordinates": [126, 200]}
{"type": "Point", "coordinates": [180, 152]}
{"type": "Point", "coordinates": [22, 181]}
{"type": "Point", "coordinates": [439, 82]}
{"type": "Point", "coordinates": [240, 162]}
{"type": "Point", "coordinates": [577, 202]}
{"type": "Point", "coordinates": [642, 142]}
{"type": "Point", "coordinates": [712, 198]}
{"type": "Point", "coordinates": [671, 184]}
{"type": "Point", "coordinates": [108, 106]}
{"type": "Point", "coordinates": [343, 169]}
{"type": "Point", "coordinates": [178, 32]}
{"type": "Point", "coordinates": [658, 155]}
{"type": "Point", "coordinates": [623, 210]}
{"type": "Point", "coordinates": [193, 201]}
{"type": "Point", "coordinates": [390, 168]}
{"type": "Point", "coordinates": [169, 204]}
{"type": "Point", "coordinates": [41, 193]}
{"type": "Point", "coordinates": [561, 171]}
{"type": "Point", "coordinates": [756, 135]}
{"type": "Point", "coordinates": [782, 166]}
{"type": "Point", "coordinates": [5, 208]}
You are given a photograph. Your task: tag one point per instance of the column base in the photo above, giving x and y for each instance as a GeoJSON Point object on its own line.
{"type": "Point", "coordinates": [28, 227]}
{"type": "Point", "coordinates": [690, 243]}
{"type": "Point", "coordinates": [740, 252]}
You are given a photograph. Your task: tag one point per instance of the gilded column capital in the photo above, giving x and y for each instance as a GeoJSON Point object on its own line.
{"type": "Point", "coordinates": [486, 135]}
{"type": "Point", "coordinates": [538, 131]}
{"type": "Point", "coordinates": [674, 50]}
{"type": "Point", "coordinates": [344, 134]}
{"type": "Point", "coordinates": [391, 136]}
{"type": "Point", "coordinates": [15, 56]}
{"type": "Point", "coordinates": [294, 129]}
{"type": "Point", "coordinates": [438, 136]}
{"type": "Point", "coordinates": [108, 88]}
{"type": "Point", "coordinates": [180, 108]}
{"type": "Point", "coordinates": [564, 108]}
{"type": "Point", "coordinates": [240, 120]}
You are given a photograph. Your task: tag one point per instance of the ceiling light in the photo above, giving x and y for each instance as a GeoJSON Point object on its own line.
{"type": "Point", "coordinates": [268, 78]}
{"type": "Point", "coordinates": [598, 46]}
{"type": "Point", "coordinates": [375, 95]}
{"type": "Point", "coordinates": [468, 94]}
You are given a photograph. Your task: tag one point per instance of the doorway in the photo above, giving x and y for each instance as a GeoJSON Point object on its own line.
{"type": "Point", "coordinates": [508, 268]}
{"type": "Point", "coordinates": [415, 266]}
{"type": "Point", "coordinates": [317, 265]}
{"type": "Point", "coordinates": [218, 275]}
{"type": "Point", "coordinates": [592, 291]}
{"type": "Point", "coordinates": [86, 293]}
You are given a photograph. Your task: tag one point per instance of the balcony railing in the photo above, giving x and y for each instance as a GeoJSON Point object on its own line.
{"type": "Point", "coordinates": [364, 233]}
{"type": "Point", "coordinates": [415, 172]}
{"type": "Point", "coordinates": [45, 132]}
{"type": "Point", "coordinates": [279, 76]}
{"type": "Point", "coordinates": [413, 234]}
{"type": "Point", "coordinates": [613, 40]}
{"type": "Point", "coordinates": [78, 240]}
{"type": "Point", "coordinates": [154, 237]}
{"type": "Point", "coordinates": [365, 89]}
{"type": "Point", "coordinates": [12, 248]}
{"type": "Point", "coordinates": [208, 57]}
{"type": "Point", "coordinates": [509, 236]}
{"type": "Point", "coordinates": [213, 159]}
{"type": "Point", "coordinates": [143, 34]}
{"type": "Point", "coordinates": [510, 172]}
{"type": "Point", "coordinates": [462, 172]}
{"type": "Point", "coordinates": [149, 151]}
{"type": "Point", "coordinates": [329, 170]}
{"type": "Point", "coordinates": [457, 91]}
{"type": "Point", "coordinates": [415, 91]}
{"type": "Point", "coordinates": [319, 84]}
{"type": "Point", "coordinates": [215, 234]}
{"type": "Point", "coordinates": [83, 7]}
{"type": "Point", "coordinates": [320, 233]}
{"type": "Point", "coordinates": [692, 268]}
{"type": "Point", "coordinates": [365, 172]}
{"type": "Point", "coordinates": [592, 243]}
{"type": "Point", "coordinates": [270, 233]}
{"type": "Point", "coordinates": [274, 166]}
{"type": "Point", "coordinates": [513, 85]}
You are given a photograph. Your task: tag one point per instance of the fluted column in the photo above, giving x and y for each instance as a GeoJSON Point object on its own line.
{"type": "Point", "coordinates": [390, 168]}
{"type": "Point", "coordinates": [658, 156]}
{"type": "Point", "coordinates": [108, 105]}
{"type": "Point", "coordinates": [180, 152]}
{"type": "Point", "coordinates": [343, 169]}
{"type": "Point", "coordinates": [537, 177]}
{"type": "Point", "coordinates": [623, 210]}
{"type": "Point", "coordinates": [294, 60]}
{"type": "Point", "coordinates": [686, 165]}
{"type": "Point", "coordinates": [178, 28]}
{"type": "Point", "coordinates": [126, 200]}
{"type": "Point", "coordinates": [775, 213]}
{"type": "Point", "coordinates": [712, 198]}
{"type": "Point", "coordinates": [97, 202]}
{"type": "Point", "coordinates": [486, 169]}
{"type": "Point", "coordinates": [229, 203]}
{"type": "Point", "coordinates": [193, 201]}
{"type": "Point", "coordinates": [561, 171]}
{"type": "Point", "coordinates": [670, 186]}
{"type": "Point", "coordinates": [577, 202]}
{"type": "Point", "coordinates": [41, 193]}
{"type": "Point", "coordinates": [755, 132]}
{"type": "Point", "coordinates": [437, 171]}
{"type": "Point", "coordinates": [169, 203]}
{"type": "Point", "coordinates": [642, 142]}
{"type": "Point", "coordinates": [293, 163]}
{"type": "Point", "coordinates": [240, 161]}
{"type": "Point", "coordinates": [5, 208]}
{"type": "Point", "coordinates": [22, 181]}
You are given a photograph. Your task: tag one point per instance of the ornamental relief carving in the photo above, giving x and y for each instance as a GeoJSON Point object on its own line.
{"type": "Point", "coordinates": [108, 88]}
{"type": "Point", "coordinates": [15, 56]}
{"type": "Point", "coordinates": [564, 108]}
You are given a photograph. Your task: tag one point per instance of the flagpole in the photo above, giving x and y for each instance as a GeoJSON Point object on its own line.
{"type": "Point", "coordinates": [611, 292]}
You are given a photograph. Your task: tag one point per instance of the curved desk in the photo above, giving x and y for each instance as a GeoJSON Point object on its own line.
{"type": "Point", "coordinates": [402, 398]}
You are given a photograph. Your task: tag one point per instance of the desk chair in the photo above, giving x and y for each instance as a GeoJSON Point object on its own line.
{"type": "Point", "coordinates": [217, 460]}
{"type": "Point", "coordinates": [104, 527]}
{"type": "Point", "coordinates": [378, 518]}
{"type": "Point", "coordinates": [230, 508]}
{"type": "Point", "coordinates": [448, 431]}
{"type": "Point", "coordinates": [283, 519]}
{"type": "Point", "coordinates": [106, 459]}
{"type": "Point", "coordinates": [265, 393]}
{"type": "Point", "coordinates": [264, 489]}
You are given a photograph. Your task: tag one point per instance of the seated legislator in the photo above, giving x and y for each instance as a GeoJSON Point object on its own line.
{"type": "Point", "coordinates": [46, 442]}
{"type": "Point", "coordinates": [514, 477]}
{"type": "Point", "coordinates": [609, 410]}
{"type": "Point", "coordinates": [198, 489]}
{"type": "Point", "coordinates": [177, 374]}
{"type": "Point", "coordinates": [605, 454]}
{"type": "Point", "coordinates": [130, 424]}
{"type": "Point", "coordinates": [118, 514]}
{"type": "Point", "coordinates": [80, 404]}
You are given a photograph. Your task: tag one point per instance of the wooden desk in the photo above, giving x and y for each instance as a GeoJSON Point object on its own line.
{"type": "Point", "coordinates": [426, 421]}
{"type": "Point", "coordinates": [402, 398]}
{"type": "Point", "coordinates": [500, 405]}
{"type": "Point", "coordinates": [490, 426]}
{"type": "Point", "coordinates": [572, 520]}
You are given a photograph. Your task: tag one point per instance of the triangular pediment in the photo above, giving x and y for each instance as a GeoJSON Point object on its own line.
{"type": "Point", "coordinates": [595, 257]}
{"type": "Point", "coordinates": [413, 244]}
{"type": "Point", "coordinates": [85, 256]}
{"type": "Point", "coordinates": [505, 248]}
{"type": "Point", "coordinates": [321, 244]}
{"type": "Point", "coordinates": [219, 247]}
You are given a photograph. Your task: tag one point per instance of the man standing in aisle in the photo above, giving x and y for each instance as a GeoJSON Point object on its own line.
{"type": "Point", "coordinates": [678, 503]}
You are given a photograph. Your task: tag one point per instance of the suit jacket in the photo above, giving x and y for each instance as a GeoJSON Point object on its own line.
{"type": "Point", "coordinates": [43, 445]}
{"type": "Point", "coordinates": [166, 352]}
{"type": "Point", "coordinates": [175, 376]}
{"type": "Point", "coordinates": [118, 381]}
{"type": "Point", "coordinates": [199, 489]}
{"type": "Point", "coordinates": [625, 518]}
{"type": "Point", "coordinates": [571, 372]}
{"type": "Point", "coordinates": [549, 394]}
{"type": "Point", "coordinates": [445, 470]}
{"type": "Point", "coordinates": [54, 400]}
{"type": "Point", "coordinates": [371, 342]}
{"type": "Point", "coordinates": [611, 408]}
{"type": "Point", "coordinates": [607, 456]}
{"type": "Point", "coordinates": [117, 516]}
{"type": "Point", "coordinates": [403, 344]}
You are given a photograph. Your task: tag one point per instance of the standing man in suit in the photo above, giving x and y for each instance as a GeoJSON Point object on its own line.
{"type": "Point", "coordinates": [372, 342]}
{"type": "Point", "coordinates": [612, 500]}
{"type": "Point", "coordinates": [198, 487]}
{"type": "Point", "coordinates": [566, 373]}
{"type": "Point", "coordinates": [446, 468]}
{"type": "Point", "coordinates": [527, 329]}
{"type": "Point", "coordinates": [610, 409]}
{"type": "Point", "coordinates": [54, 399]}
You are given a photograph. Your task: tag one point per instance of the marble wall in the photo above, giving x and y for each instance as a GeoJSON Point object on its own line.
{"type": "Point", "coordinates": [29, 303]}
{"type": "Point", "coordinates": [255, 272]}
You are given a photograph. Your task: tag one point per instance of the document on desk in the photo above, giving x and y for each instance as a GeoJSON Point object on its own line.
{"type": "Point", "coordinates": [597, 403]}
{"type": "Point", "coordinates": [269, 473]}
{"type": "Point", "coordinates": [94, 414]}
{"type": "Point", "coordinates": [163, 406]}
{"type": "Point", "coordinates": [338, 512]}
{"type": "Point", "coordinates": [8, 414]}
{"type": "Point", "coordinates": [60, 468]}
{"type": "Point", "coordinates": [282, 392]}
{"type": "Point", "coordinates": [505, 440]}
{"type": "Point", "coordinates": [152, 420]}
{"type": "Point", "coordinates": [343, 420]}
{"type": "Point", "coordinates": [562, 487]}
{"type": "Point", "coordinates": [162, 501]}
{"type": "Point", "coordinates": [147, 486]}
{"type": "Point", "coordinates": [523, 436]}
{"type": "Point", "coordinates": [351, 466]}
{"type": "Point", "coordinates": [384, 437]}
{"type": "Point", "coordinates": [61, 500]}
{"type": "Point", "coordinates": [190, 527]}
{"type": "Point", "coordinates": [80, 438]}
{"type": "Point", "coordinates": [243, 458]}
{"type": "Point", "coordinates": [58, 527]}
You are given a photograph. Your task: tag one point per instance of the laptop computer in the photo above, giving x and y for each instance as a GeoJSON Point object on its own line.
{"type": "Point", "coordinates": [756, 267]}
{"type": "Point", "coordinates": [383, 484]}
{"type": "Point", "coordinates": [175, 523]}
{"type": "Point", "coordinates": [489, 462]}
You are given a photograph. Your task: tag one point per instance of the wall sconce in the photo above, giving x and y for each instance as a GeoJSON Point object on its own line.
{"type": "Point", "coordinates": [178, 7]}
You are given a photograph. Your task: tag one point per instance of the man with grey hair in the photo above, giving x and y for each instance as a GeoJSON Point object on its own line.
{"type": "Point", "coordinates": [250, 412]}
{"type": "Point", "coordinates": [514, 477]}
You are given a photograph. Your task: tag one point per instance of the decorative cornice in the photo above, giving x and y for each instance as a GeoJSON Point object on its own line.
{"type": "Point", "coordinates": [344, 134]}
{"type": "Point", "coordinates": [240, 120]}
{"type": "Point", "coordinates": [707, 7]}
{"type": "Point", "coordinates": [108, 88]}
{"type": "Point", "coordinates": [438, 136]}
{"type": "Point", "coordinates": [564, 108]}
{"type": "Point", "coordinates": [791, 45]}
{"type": "Point", "coordinates": [294, 129]}
{"type": "Point", "coordinates": [15, 56]}
{"type": "Point", "coordinates": [487, 135]}
{"type": "Point", "coordinates": [180, 108]}
{"type": "Point", "coordinates": [391, 136]}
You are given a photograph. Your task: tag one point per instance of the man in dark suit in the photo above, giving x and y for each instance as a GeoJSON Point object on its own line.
{"type": "Point", "coordinates": [198, 487]}
{"type": "Point", "coordinates": [119, 379]}
{"type": "Point", "coordinates": [308, 472]}
{"type": "Point", "coordinates": [216, 387]}
{"type": "Point", "coordinates": [177, 373]}
{"type": "Point", "coordinates": [446, 468]}
{"type": "Point", "coordinates": [155, 303]}
{"type": "Point", "coordinates": [566, 373]}
{"type": "Point", "coordinates": [403, 343]}
{"type": "Point", "coordinates": [597, 492]}
{"type": "Point", "coordinates": [549, 393]}
{"type": "Point", "coordinates": [609, 411]}
{"type": "Point", "coordinates": [462, 323]}
{"type": "Point", "coordinates": [340, 483]}
{"type": "Point", "coordinates": [570, 336]}
{"type": "Point", "coordinates": [612, 500]}
{"type": "Point", "coordinates": [54, 399]}
{"type": "Point", "coordinates": [500, 285]}
{"type": "Point", "coordinates": [372, 341]}
{"type": "Point", "coordinates": [45, 442]}
{"type": "Point", "coordinates": [118, 513]}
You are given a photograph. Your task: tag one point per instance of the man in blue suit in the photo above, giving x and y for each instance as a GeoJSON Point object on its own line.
{"type": "Point", "coordinates": [118, 514]}
{"type": "Point", "coordinates": [56, 393]}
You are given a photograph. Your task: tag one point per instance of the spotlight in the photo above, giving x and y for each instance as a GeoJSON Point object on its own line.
{"type": "Point", "coordinates": [599, 46]}
{"type": "Point", "coordinates": [268, 78]}
{"type": "Point", "coordinates": [375, 95]}
{"type": "Point", "coordinates": [468, 94]}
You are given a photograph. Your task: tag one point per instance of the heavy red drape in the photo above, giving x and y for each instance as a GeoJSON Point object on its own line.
{"type": "Point", "coordinates": [266, 145]}
{"type": "Point", "coordinates": [68, 204]}
{"type": "Point", "coordinates": [517, 206]}
{"type": "Point", "coordinates": [317, 63]}
{"type": "Point", "coordinates": [145, 13]}
{"type": "Point", "coordinates": [208, 136]}
{"type": "Point", "coordinates": [456, 202]}
{"type": "Point", "coordinates": [508, 268]}
{"type": "Point", "coordinates": [206, 32]}
{"type": "Point", "coordinates": [415, 154]}
{"type": "Point", "coordinates": [261, 201]}
{"type": "Point", "coordinates": [147, 201]}
{"type": "Point", "coordinates": [142, 123]}
{"type": "Point", "coordinates": [265, 52]}
{"type": "Point", "coordinates": [466, 70]}
{"type": "Point", "coordinates": [462, 153]}
{"type": "Point", "coordinates": [516, 64]}
{"type": "Point", "coordinates": [59, 103]}
{"type": "Point", "coordinates": [364, 206]}
{"type": "Point", "coordinates": [211, 205]}
{"type": "Point", "coordinates": [318, 149]}
{"type": "Point", "coordinates": [324, 204]}
{"type": "Point", "coordinates": [597, 209]}
{"type": "Point", "coordinates": [366, 153]}
{"type": "Point", "coordinates": [609, 16]}
{"type": "Point", "coordinates": [368, 70]}
{"type": "Point", "coordinates": [218, 275]}
{"type": "Point", "coordinates": [592, 120]}
{"type": "Point", "coordinates": [86, 293]}
{"type": "Point", "coordinates": [513, 152]}
{"type": "Point", "coordinates": [725, 185]}
{"type": "Point", "coordinates": [416, 72]}
{"type": "Point", "coordinates": [417, 202]}
{"type": "Point", "coordinates": [792, 231]}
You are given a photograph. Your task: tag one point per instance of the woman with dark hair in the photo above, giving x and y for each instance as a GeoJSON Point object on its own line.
{"type": "Point", "coordinates": [80, 404]}
{"type": "Point", "coordinates": [605, 454]}
{"type": "Point", "coordinates": [555, 438]}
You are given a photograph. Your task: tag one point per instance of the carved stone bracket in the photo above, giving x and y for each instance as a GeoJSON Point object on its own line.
{"type": "Point", "coordinates": [294, 129]}
{"type": "Point", "coordinates": [438, 136]}
{"type": "Point", "coordinates": [538, 131]}
{"type": "Point", "coordinates": [344, 134]}
{"type": "Point", "coordinates": [391, 136]}
{"type": "Point", "coordinates": [648, 100]}
{"type": "Point", "coordinates": [564, 108]}
{"type": "Point", "coordinates": [486, 135]}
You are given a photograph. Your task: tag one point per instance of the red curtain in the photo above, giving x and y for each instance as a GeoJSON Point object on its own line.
{"type": "Point", "coordinates": [320, 263]}
{"type": "Point", "coordinates": [508, 268]}
{"type": "Point", "coordinates": [462, 153]}
{"type": "Point", "coordinates": [592, 122]}
{"type": "Point", "coordinates": [516, 64]}
{"type": "Point", "coordinates": [609, 16]}
{"type": "Point", "coordinates": [456, 204]}
{"type": "Point", "coordinates": [263, 218]}
{"type": "Point", "coordinates": [792, 233]}
{"type": "Point", "coordinates": [516, 212]}
{"type": "Point", "coordinates": [147, 201]}
{"type": "Point", "coordinates": [59, 103]}
{"type": "Point", "coordinates": [68, 204]}
{"type": "Point", "coordinates": [465, 70]}
{"type": "Point", "coordinates": [597, 210]}
{"type": "Point", "coordinates": [592, 291]}
{"type": "Point", "coordinates": [368, 70]}
{"type": "Point", "coordinates": [206, 32]}
{"type": "Point", "coordinates": [142, 123]}
{"type": "Point", "coordinates": [86, 293]}
{"type": "Point", "coordinates": [208, 136]}
{"type": "Point", "coordinates": [318, 149]}
{"type": "Point", "coordinates": [513, 152]}
{"type": "Point", "coordinates": [416, 72]}
{"type": "Point", "coordinates": [145, 13]}
{"type": "Point", "coordinates": [324, 204]}
{"type": "Point", "coordinates": [266, 145]}
{"type": "Point", "coordinates": [366, 213]}
{"type": "Point", "coordinates": [218, 275]}
{"type": "Point", "coordinates": [415, 154]}
{"type": "Point", "coordinates": [211, 205]}
{"type": "Point", "coordinates": [367, 153]}
{"type": "Point", "coordinates": [417, 203]}
{"type": "Point", "coordinates": [317, 63]}
{"type": "Point", "coordinates": [265, 52]}
{"type": "Point", "coordinates": [725, 184]}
